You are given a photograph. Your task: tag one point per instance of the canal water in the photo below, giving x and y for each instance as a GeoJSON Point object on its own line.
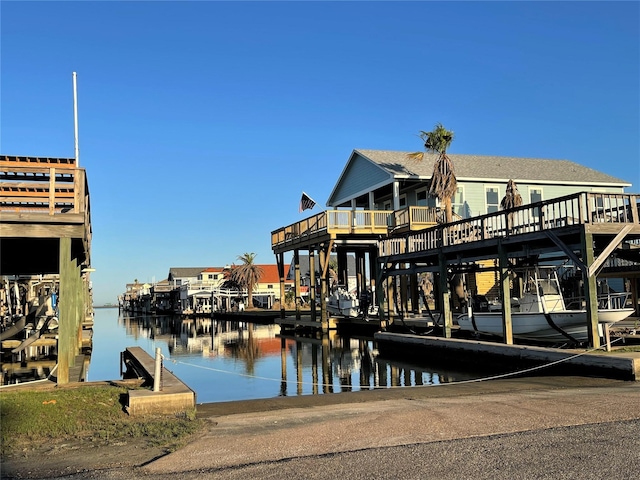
{"type": "Point", "coordinates": [224, 361]}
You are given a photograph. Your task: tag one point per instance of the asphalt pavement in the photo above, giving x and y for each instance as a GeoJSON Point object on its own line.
{"type": "Point", "coordinates": [546, 427]}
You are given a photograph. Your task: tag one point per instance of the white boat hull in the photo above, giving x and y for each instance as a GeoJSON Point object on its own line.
{"type": "Point", "coordinates": [534, 325]}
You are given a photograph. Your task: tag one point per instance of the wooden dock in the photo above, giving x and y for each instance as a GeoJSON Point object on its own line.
{"type": "Point", "coordinates": [625, 366]}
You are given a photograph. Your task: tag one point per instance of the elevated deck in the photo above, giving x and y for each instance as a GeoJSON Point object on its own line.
{"type": "Point", "coordinates": [45, 230]}
{"type": "Point", "coordinates": [543, 227]}
{"type": "Point", "coordinates": [539, 228]}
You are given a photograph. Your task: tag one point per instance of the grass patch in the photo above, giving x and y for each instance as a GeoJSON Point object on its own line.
{"type": "Point", "coordinates": [87, 413]}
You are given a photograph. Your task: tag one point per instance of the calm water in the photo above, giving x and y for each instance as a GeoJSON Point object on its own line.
{"type": "Point", "coordinates": [225, 361]}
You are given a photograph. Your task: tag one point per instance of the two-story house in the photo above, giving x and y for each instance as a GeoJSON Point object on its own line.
{"type": "Point", "coordinates": [391, 180]}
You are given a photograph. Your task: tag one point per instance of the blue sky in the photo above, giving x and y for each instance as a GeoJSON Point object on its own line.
{"type": "Point", "coordinates": [202, 122]}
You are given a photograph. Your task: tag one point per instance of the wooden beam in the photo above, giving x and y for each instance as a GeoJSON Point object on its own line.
{"type": "Point", "coordinates": [570, 253]}
{"type": "Point", "coordinates": [598, 262]}
{"type": "Point", "coordinates": [65, 325]}
{"type": "Point", "coordinates": [590, 290]}
{"type": "Point", "coordinates": [34, 230]}
{"type": "Point", "coordinates": [296, 266]}
{"type": "Point", "coordinates": [280, 263]}
{"type": "Point", "coordinates": [325, 262]}
{"type": "Point", "coordinates": [312, 283]}
{"type": "Point", "coordinates": [503, 267]}
{"type": "Point", "coordinates": [445, 296]}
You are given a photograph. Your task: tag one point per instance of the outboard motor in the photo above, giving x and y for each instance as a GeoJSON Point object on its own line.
{"type": "Point", "coordinates": [480, 303]}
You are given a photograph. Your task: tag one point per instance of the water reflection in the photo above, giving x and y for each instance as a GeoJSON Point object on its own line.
{"type": "Point", "coordinates": [230, 360]}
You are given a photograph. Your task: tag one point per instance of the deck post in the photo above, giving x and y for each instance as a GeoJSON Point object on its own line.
{"type": "Point", "coordinates": [507, 326]}
{"type": "Point", "coordinates": [373, 265]}
{"type": "Point", "coordinates": [280, 262]}
{"type": "Point", "coordinates": [404, 298]}
{"type": "Point", "coordinates": [343, 275]}
{"type": "Point", "coordinates": [590, 289]}
{"type": "Point", "coordinates": [68, 311]}
{"type": "Point", "coordinates": [312, 283]}
{"type": "Point", "coordinates": [296, 263]}
{"type": "Point", "coordinates": [324, 263]}
{"type": "Point", "coordinates": [445, 305]}
{"type": "Point", "coordinates": [415, 299]}
{"type": "Point", "coordinates": [634, 296]}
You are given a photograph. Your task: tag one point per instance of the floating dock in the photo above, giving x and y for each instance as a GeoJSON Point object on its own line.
{"type": "Point", "coordinates": [624, 366]}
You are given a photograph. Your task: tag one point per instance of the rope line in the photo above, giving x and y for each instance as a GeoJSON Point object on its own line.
{"type": "Point", "coordinates": [474, 380]}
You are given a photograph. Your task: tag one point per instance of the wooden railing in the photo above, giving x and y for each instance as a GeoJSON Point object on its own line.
{"type": "Point", "coordinates": [416, 218]}
{"type": "Point", "coordinates": [334, 222]}
{"type": "Point", "coordinates": [50, 186]}
{"type": "Point", "coordinates": [573, 209]}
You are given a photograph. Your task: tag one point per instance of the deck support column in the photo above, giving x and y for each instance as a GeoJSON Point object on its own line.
{"type": "Point", "coordinates": [590, 289]}
{"type": "Point", "coordinates": [507, 325]}
{"type": "Point", "coordinates": [312, 283]}
{"type": "Point", "coordinates": [280, 262]}
{"type": "Point", "coordinates": [415, 299]}
{"type": "Point", "coordinates": [343, 269]}
{"type": "Point", "coordinates": [634, 296]}
{"type": "Point", "coordinates": [373, 268]}
{"type": "Point", "coordinates": [70, 286]}
{"type": "Point", "coordinates": [324, 254]}
{"type": "Point", "coordinates": [445, 303]}
{"type": "Point", "coordinates": [404, 290]}
{"type": "Point", "coordinates": [296, 263]}
{"type": "Point", "coordinates": [361, 272]}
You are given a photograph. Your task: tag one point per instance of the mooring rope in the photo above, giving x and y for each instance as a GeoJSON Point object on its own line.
{"type": "Point", "coordinates": [474, 380]}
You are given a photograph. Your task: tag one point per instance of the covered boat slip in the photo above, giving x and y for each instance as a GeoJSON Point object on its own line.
{"type": "Point", "coordinates": [341, 232]}
{"type": "Point", "coordinates": [598, 233]}
{"type": "Point", "coordinates": [45, 230]}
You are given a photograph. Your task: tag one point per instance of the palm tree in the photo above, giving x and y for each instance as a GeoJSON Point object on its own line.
{"type": "Point", "coordinates": [443, 183]}
{"type": "Point", "coordinates": [247, 274]}
{"type": "Point", "coordinates": [511, 199]}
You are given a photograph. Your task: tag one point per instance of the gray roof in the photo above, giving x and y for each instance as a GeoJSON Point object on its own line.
{"type": "Point", "coordinates": [185, 272]}
{"type": "Point", "coordinates": [491, 167]}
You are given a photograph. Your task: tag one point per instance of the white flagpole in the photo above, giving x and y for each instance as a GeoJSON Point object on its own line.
{"type": "Point", "coordinates": [75, 119]}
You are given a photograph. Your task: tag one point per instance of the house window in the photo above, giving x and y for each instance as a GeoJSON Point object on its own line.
{"type": "Point", "coordinates": [403, 201]}
{"type": "Point", "coordinates": [492, 200]}
{"type": "Point", "coordinates": [421, 197]}
{"type": "Point", "coordinates": [535, 195]}
{"type": "Point", "coordinates": [387, 205]}
{"type": "Point", "coordinates": [457, 203]}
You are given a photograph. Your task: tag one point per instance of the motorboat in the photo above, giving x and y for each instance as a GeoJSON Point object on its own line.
{"type": "Point", "coordinates": [343, 303]}
{"type": "Point", "coordinates": [540, 314]}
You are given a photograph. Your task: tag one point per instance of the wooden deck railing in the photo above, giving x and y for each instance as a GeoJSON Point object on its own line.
{"type": "Point", "coordinates": [334, 222]}
{"type": "Point", "coordinates": [573, 209]}
{"type": "Point", "coordinates": [50, 186]}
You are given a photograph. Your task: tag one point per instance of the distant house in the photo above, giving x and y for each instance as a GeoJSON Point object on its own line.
{"type": "Point", "coordinates": [305, 272]}
{"type": "Point", "coordinates": [267, 291]}
{"type": "Point", "coordinates": [192, 288]}
{"type": "Point", "coordinates": [390, 180]}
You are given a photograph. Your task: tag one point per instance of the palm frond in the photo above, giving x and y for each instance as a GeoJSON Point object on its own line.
{"type": "Point", "coordinates": [418, 156]}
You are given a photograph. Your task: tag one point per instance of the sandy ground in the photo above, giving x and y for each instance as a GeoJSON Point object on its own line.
{"type": "Point", "coordinates": [313, 436]}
